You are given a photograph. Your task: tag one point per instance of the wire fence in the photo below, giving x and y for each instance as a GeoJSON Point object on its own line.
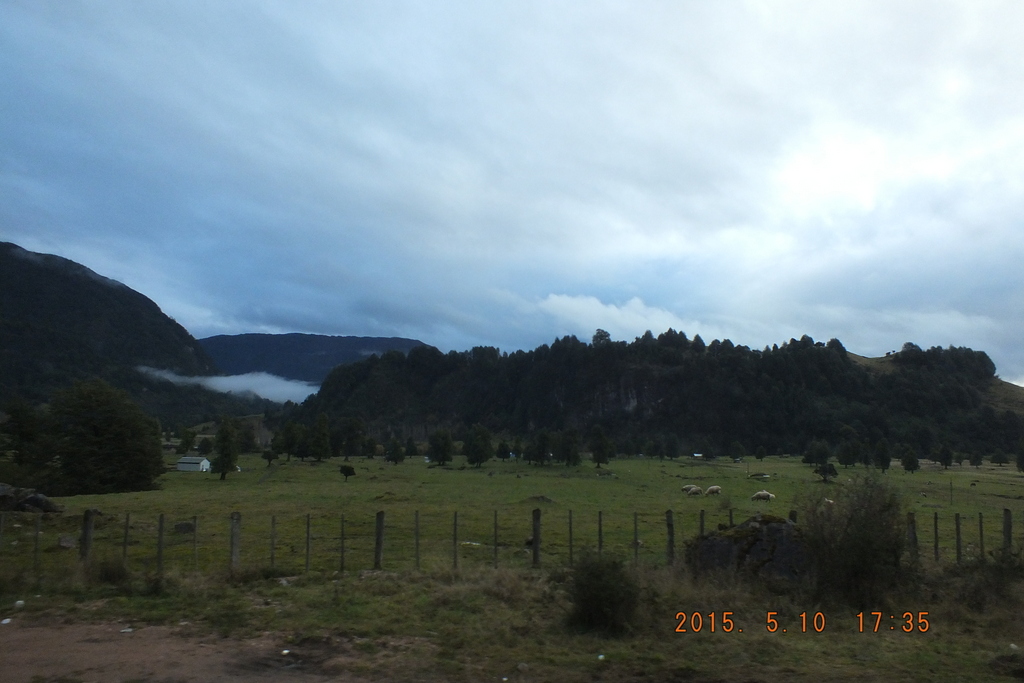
{"type": "Point", "coordinates": [42, 546]}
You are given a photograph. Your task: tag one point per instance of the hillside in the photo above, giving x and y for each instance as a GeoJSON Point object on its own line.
{"type": "Point", "coordinates": [61, 322]}
{"type": "Point", "coordinates": [675, 394]}
{"type": "Point", "coordinates": [306, 357]}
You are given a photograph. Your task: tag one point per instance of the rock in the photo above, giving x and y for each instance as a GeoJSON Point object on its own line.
{"type": "Point", "coordinates": [25, 500]}
{"type": "Point", "coordinates": [67, 542]}
{"type": "Point", "coordinates": [764, 546]}
{"type": "Point", "coordinates": [184, 528]}
{"type": "Point", "coordinates": [523, 667]}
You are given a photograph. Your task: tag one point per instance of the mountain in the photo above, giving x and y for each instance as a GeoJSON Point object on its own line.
{"type": "Point", "coordinates": [672, 392]}
{"type": "Point", "coordinates": [306, 357]}
{"type": "Point", "coordinates": [61, 322]}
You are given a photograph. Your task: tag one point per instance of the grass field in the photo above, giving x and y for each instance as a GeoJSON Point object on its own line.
{"type": "Point", "coordinates": [480, 623]}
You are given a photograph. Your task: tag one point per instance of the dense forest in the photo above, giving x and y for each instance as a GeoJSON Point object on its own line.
{"type": "Point", "coordinates": [671, 394]}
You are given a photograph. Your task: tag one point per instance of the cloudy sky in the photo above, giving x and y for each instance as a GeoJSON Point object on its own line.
{"type": "Point", "coordinates": [505, 173]}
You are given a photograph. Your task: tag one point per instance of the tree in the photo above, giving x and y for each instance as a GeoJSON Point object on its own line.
{"type": "Point", "coordinates": [945, 456]}
{"type": "Point", "coordinates": [105, 443]}
{"type": "Point", "coordinates": [503, 450]}
{"type": "Point", "coordinates": [347, 471]}
{"type": "Point", "coordinates": [186, 442]}
{"type": "Point", "coordinates": [411, 450]}
{"type": "Point", "coordinates": [976, 459]}
{"type": "Point", "coordinates": [226, 445]}
{"type": "Point", "coordinates": [883, 457]}
{"type": "Point", "coordinates": [440, 447]}
{"type": "Point", "coordinates": [909, 460]}
{"type": "Point", "coordinates": [1020, 456]}
{"type": "Point", "coordinates": [393, 452]}
{"type": "Point", "coordinates": [999, 457]}
{"type": "Point", "coordinates": [736, 450]}
{"type": "Point", "coordinates": [601, 338]}
{"type": "Point", "coordinates": [567, 448]}
{"type": "Point", "coordinates": [538, 448]}
{"type": "Point", "coordinates": [205, 446]}
{"type": "Point", "coordinates": [369, 447]}
{"type": "Point", "coordinates": [320, 439]}
{"type": "Point", "coordinates": [760, 453]}
{"type": "Point", "coordinates": [671, 446]}
{"type": "Point", "coordinates": [601, 448]}
{"type": "Point", "coordinates": [477, 447]}
{"type": "Point", "coordinates": [270, 456]}
{"type": "Point", "coordinates": [848, 453]}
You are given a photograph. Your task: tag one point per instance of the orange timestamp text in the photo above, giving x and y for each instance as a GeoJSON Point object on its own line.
{"type": "Point", "coordinates": [724, 622]}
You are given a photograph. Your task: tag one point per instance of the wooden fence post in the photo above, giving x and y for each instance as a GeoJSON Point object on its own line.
{"type": "Point", "coordinates": [195, 541]}
{"type": "Point", "coordinates": [455, 540]}
{"type": "Point", "coordinates": [1007, 533]}
{"type": "Point", "coordinates": [981, 535]}
{"type": "Point", "coordinates": [273, 539]}
{"type": "Point", "coordinates": [701, 522]}
{"type": "Point", "coordinates": [85, 549]}
{"type": "Point", "coordinates": [959, 544]}
{"type": "Point", "coordinates": [160, 546]}
{"type": "Point", "coordinates": [416, 536]}
{"type": "Point", "coordinates": [600, 533]}
{"type": "Point", "coordinates": [495, 539]}
{"type": "Point", "coordinates": [912, 535]}
{"type": "Point", "coordinates": [936, 533]}
{"type": "Point", "coordinates": [341, 562]}
{"type": "Point", "coordinates": [670, 541]}
{"type": "Point", "coordinates": [536, 538]}
{"type": "Point", "coordinates": [378, 542]}
{"type": "Point", "coordinates": [124, 547]}
{"type": "Point", "coordinates": [235, 542]}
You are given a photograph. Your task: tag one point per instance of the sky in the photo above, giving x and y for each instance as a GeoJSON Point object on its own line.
{"type": "Point", "coordinates": [506, 173]}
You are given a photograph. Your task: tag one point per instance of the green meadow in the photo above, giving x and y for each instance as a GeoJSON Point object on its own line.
{"type": "Point", "coordinates": [476, 622]}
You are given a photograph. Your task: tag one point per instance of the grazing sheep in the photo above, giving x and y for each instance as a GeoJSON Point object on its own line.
{"type": "Point", "coordinates": [763, 495]}
{"type": "Point", "coordinates": [689, 487]}
{"type": "Point", "coordinates": [695, 491]}
{"type": "Point", "coordinates": [829, 501]}
{"type": "Point", "coordinates": [713, 491]}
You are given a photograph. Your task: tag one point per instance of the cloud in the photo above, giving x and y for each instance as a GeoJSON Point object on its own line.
{"type": "Point", "coordinates": [747, 170]}
{"type": "Point", "coordinates": [262, 384]}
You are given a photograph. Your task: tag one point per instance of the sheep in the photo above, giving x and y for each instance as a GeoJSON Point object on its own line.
{"type": "Point", "coordinates": [713, 491]}
{"type": "Point", "coordinates": [695, 491]}
{"type": "Point", "coordinates": [689, 487]}
{"type": "Point", "coordinates": [829, 501]}
{"type": "Point", "coordinates": [763, 495]}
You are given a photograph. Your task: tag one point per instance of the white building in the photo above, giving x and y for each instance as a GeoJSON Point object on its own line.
{"type": "Point", "coordinates": [193, 463]}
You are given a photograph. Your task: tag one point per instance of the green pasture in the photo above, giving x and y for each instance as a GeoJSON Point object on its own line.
{"type": "Point", "coordinates": [624, 492]}
{"type": "Point", "coordinates": [479, 623]}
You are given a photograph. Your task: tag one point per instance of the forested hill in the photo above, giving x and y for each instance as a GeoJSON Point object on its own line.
{"type": "Point", "coordinates": [682, 394]}
{"type": "Point", "coordinates": [306, 357]}
{"type": "Point", "coordinates": [61, 322]}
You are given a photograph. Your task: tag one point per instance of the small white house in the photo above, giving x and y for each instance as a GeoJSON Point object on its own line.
{"type": "Point", "coordinates": [193, 463]}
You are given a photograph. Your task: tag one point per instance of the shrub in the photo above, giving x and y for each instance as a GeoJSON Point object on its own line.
{"type": "Point", "coordinates": [856, 542]}
{"type": "Point", "coordinates": [604, 596]}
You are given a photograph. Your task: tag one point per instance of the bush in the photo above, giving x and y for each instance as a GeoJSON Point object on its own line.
{"type": "Point", "coordinates": [856, 542]}
{"type": "Point", "coordinates": [604, 596]}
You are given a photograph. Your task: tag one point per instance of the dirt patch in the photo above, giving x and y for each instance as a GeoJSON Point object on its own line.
{"type": "Point", "coordinates": [159, 654]}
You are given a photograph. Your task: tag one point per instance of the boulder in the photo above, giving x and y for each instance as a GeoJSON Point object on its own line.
{"type": "Point", "coordinates": [14, 499]}
{"type": "Point", "coordinates": [766, 547]}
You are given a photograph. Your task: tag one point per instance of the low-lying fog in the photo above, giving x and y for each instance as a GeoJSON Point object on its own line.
{"type": "Point", "coordinates": [262, 384]}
